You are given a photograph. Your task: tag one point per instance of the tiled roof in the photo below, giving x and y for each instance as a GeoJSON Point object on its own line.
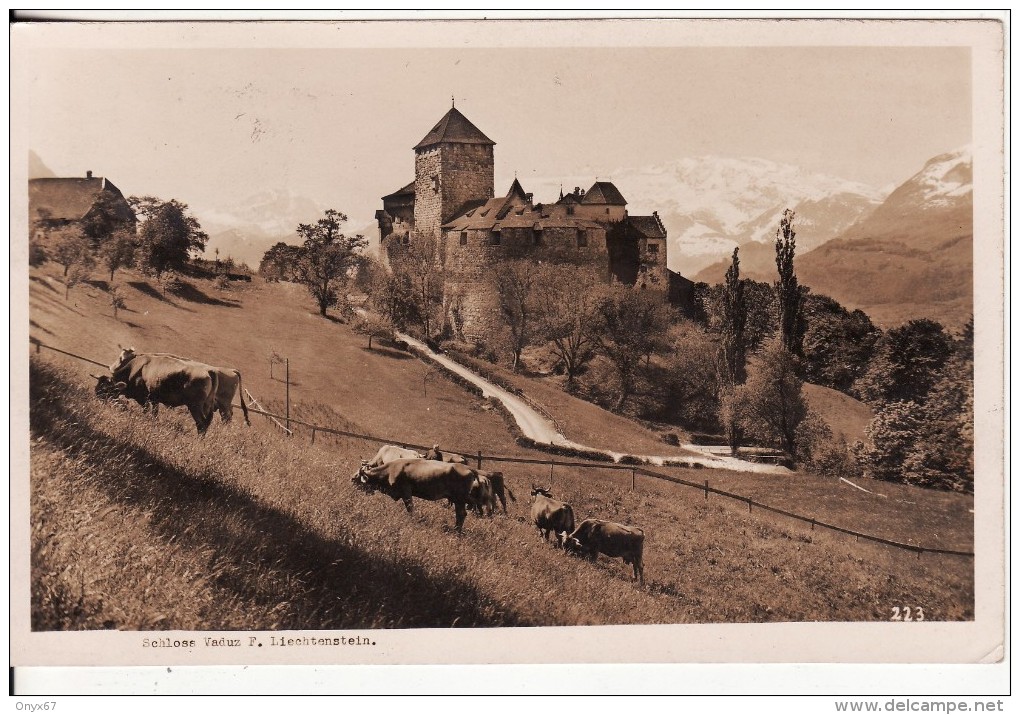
{"type": "Point", "coordinates": [647, 226]}
{"type": "Point", "coordinates": [498, 213]}
{"type": "Point", "coordinates": [70, 199]}
{"type": "Point", "coordinates": [405, 191]}
{"type": "Point", "coordinates": [454, 128]}
{"type": "Point", "coordinates": [604, 192]}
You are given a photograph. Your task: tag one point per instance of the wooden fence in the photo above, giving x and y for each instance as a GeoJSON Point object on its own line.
{"type": "Point", "coordinates": [634, 470]}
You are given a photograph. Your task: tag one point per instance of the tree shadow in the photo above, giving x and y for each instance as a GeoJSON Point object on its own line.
{"type": "Point", "coordinates": [334, 319]}
{"type": "Point", "coordinates": [43, 282]}
{"type": "Point", "coordinates": [36, 325]}
{"type": "Point", "coordinates": [341, 584]}
{"type": "Point", "coordinates": [143, 287]}
{"type": "Point", "coordinates": [387, 352]}
{"type": "Point", "coordinates": [282, 381]}
{"type": "Point", "coordinates": [97, 283]}
{"type": "Point", "coordinates": [190, 293]}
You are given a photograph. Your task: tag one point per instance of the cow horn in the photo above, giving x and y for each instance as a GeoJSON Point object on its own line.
{"type": "Point", "coordinates": [95, 377]}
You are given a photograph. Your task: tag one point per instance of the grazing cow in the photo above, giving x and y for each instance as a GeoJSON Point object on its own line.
{"type": "Point", "coordinates": [595, 536]}
{"type": "Point", "coordinates": [425, 479]}
{"type": "Point", "coordinates": [485, 503]}
{"type": "Point", "coordinates": [499, 490]}
{"type": "Point", "coordinates": [152, 380]}
{"type": "Point", "coordinates": [550, 514]}
{"type": "Point", "coordinates": [438, 456]}
{"type": "Point", "coordinates": [228, 383]}
{"type": "Point", "coordinates": [390, 453]}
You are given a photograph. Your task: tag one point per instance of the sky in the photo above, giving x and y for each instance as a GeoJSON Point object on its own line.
{"type": "Point", "coordinates": [211, 126]}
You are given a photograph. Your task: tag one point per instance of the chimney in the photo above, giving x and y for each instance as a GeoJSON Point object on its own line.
{"type": "Point", "coordinates": [88, 174]}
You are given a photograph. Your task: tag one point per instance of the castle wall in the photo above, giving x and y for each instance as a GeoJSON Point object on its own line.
{"type": "Point", "coordinates": [448, 176]}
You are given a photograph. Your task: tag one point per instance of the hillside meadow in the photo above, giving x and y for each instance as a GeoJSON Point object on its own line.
{"type": "Point", "coordinates": [139, 524]}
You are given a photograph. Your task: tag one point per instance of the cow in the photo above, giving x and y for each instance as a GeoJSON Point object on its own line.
{"type": "Point", "coordinates": [154, 380]}
{"type": "Point", "coordinates": [229, 382]}
{"type": "Point", "coordinates": [548, 514]}
{"type": "Point", "coordinates": [595, 536]}
{"type": "Point", "coordinates": [437, 455]}
{"type": "Point", "coordinates": [499, 490]}
{"type": "Point", "coordinates": [425, 479]}
{"type": "Point", "coordinates": [390, 453]}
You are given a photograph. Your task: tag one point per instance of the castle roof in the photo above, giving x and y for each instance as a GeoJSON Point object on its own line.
{"type": "Point", "coordinates": [404, 191]}
{"type": "Point", "coordinates": [454, 128]}
{"type": "Point", "coordinates": [71, 199]}
{"type": "Point", "coordinates": [604, 192]}
{"type": "Point", "coordinates": [499, 213]}
{"type": "Point", "coordinates": [516, 190]}
{"type": "Point", "coordinates": [647, 226]}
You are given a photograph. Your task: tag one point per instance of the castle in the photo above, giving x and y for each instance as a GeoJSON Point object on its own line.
{"type": "Point", "coordinates": [452, 199]}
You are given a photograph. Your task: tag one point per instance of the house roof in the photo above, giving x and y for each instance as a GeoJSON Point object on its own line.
{"type": "Point", "coordinates": [647, 226]}
{"type": "Point", "coordinates": [500, 213]}
{"type": "Point", "coordinates": [454, 128]}
{"type": "Point", "coordinates": [401, 192]}
{"type": "Point", "coordinates": [70, 199]}
{"type": "Point", "coordinates": [604, 192]}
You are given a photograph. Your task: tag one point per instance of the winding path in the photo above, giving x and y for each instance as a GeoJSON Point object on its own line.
{"type": "Point", "coordinates": [537, 427]}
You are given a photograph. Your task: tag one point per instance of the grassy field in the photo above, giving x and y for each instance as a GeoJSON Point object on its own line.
{"type": "Point", "coordinates": [130, 513]}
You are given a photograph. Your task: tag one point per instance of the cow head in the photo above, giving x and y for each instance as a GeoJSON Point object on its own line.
{"type": "Point", "coordinates": [433, 453]}
{"type": "Point", "coordinates": [126, 354]}
{"type": "Point", "coordinates": [107, 389]}
{"type": "Point", "coordinates": [360, 478]}
{"type": "Point", "coordinates": [570, 543]}
{"type": "Point", "coordinates": [536, 490]}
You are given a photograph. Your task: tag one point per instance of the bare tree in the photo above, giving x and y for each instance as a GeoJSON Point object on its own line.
{"type": "Point", "coordinates": [516, 285]}
{"type": "Point", "coordinates": [568, 314]}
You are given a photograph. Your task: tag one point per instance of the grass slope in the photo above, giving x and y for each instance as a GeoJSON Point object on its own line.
{"type": "Point", "coordinates": [139, 524]}
{"type": "Point", "coordinates": [129, 513]}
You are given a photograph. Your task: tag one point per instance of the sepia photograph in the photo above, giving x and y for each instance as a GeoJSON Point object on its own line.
{"type": "Point", "coordinates": [406, 342]}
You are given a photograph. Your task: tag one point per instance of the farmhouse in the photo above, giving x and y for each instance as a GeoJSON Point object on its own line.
{"type": "Point", "coordinates": [452, 201]}
{"type": "Point", "coordinates": [56, 205]}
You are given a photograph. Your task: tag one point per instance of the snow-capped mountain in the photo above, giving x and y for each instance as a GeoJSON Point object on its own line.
{"type": "Point", "coordinates": [247, 229]}
{"type": "Point", "coordinates": [709, 205]}
{"type": "Point", "coordinates": [913, 256]}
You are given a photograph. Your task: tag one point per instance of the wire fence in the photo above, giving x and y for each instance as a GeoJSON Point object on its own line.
{"type": "Point", "coordinates": [634, 470]}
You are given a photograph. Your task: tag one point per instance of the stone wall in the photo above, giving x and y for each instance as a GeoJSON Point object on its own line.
{"type": "Point", "coordinates": [448, 176]}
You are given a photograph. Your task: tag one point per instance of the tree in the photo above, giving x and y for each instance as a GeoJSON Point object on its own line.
{"type": "Point", "coordinates": [327, 258]}
{"type": "Point", "coordinates": [516, 284]}
{"type": "Point", "coordinates": [374, 327]}
{"type": "Point", "coordinates": [106, 217]}
{"type": "Point", "coordinates": [907, 364]}
{"type": "Point", "coordinates": [838, 344]}
{"type": "Point", "coordinates": [694, 381]}
{"type": "Point", "coordinates": [788, 292]}
{"type": "Point", "coordinates": [771, 403]}
{"type": "Point", "coordinates": [76, 275]}
{"type": "Point", "coordinates": [169, 235]}
{"type": "Point", "coordinates": [117, 301]}
{"type": "Point", "coordinates": [118, 251]}
{"type": "Point", "coordinates": [416, 267]}
{"type": "Point", "coordinates": [631, 326]}
{"type": "Point", "coordinates": [732, 348]}
{"type": "Point", "coordinates": [72, 249]}
{"type": "Point", "coordinates": [568, 315]}
{"type": "Point", "coordinates": [280, 262]}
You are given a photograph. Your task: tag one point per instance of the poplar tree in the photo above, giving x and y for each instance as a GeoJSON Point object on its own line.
{"type": "Point", "coordinates": [788, 292]}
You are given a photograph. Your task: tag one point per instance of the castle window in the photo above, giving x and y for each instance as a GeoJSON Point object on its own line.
{"type": "Point", "coordinates": [570, 210]}
{"type": "Point", "coordinates": [463, 238]}
{"type": "Point", "coordinates": [495, 238]}
{"type": "Point", "coordinates": [582, 238]}
{"type": "Point", "coordinates": [607, 209]}
{"type": "Point", "coordinates": [435, 183]}
{"type": "Point", "coordinates": [653, 248]}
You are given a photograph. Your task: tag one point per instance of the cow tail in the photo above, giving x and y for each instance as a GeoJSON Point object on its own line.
{"type": "Point", "coordinates": [510, 492]}
{"type": "Point", "coordinates": [240, 396]}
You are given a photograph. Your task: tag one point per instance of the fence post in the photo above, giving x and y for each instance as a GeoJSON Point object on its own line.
{"type": "Point", "coordinates": [749, 505]}
{"type": "Point", "coordinates": [550, 471]}
{"type": "Point", "coordinates": [288, 392]}
{"type": "Point", "coordinates": [812, 525]}
{"type": "Point", "coordinates": [313, 435]}
{"type": "Point", "coordinates": [479, 459]}
{"type": "Point", "coordinates": [706, 490]}
{"type": "Point", "coordinates": [38, 345]}
{"type": "Point", "coordinates": [633, 479]}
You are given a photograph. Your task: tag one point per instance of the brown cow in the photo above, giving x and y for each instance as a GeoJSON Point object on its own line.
{"type": "Point", "coordinates": [439, 456]}
{"type": "Point", "coordinates": [595, 536]}
{"type": "Point", "coordinates": [154, 380]}
{"type": "Point", "coordinates": [425, 479]}
{"type": "Point", "coordinates": [228, 382]}
{"type": "Point", "coordinates": [548, 514]}
{"type": "Point", "coordinates": [391, 453]}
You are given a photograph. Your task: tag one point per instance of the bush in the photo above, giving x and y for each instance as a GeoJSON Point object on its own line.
{"type": "Point", "coordinates": [222, 282]}
{"type": "Point", "coordinates": [36, 254]}
{"type": "Point", "coordinates": [823, 453]}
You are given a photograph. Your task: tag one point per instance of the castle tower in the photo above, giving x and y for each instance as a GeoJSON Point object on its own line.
{"type": "Point", "coordinates": [453, 165]}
